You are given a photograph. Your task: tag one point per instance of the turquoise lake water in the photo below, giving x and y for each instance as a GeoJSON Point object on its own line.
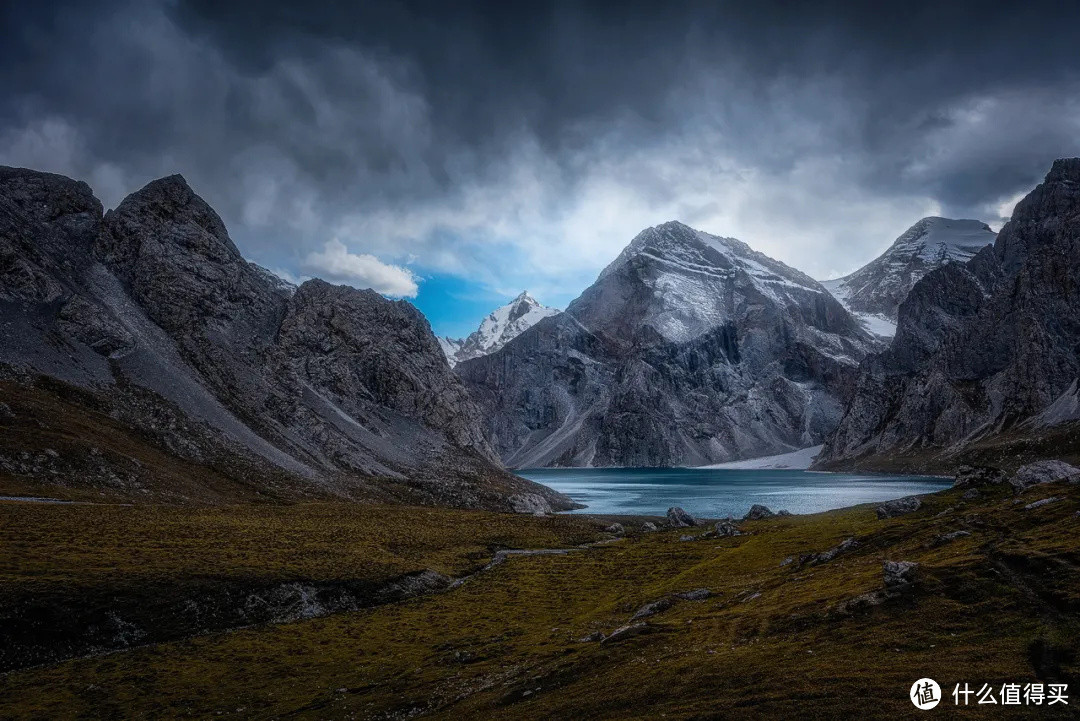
{"type": "Point", "coordinates": [719, 493]}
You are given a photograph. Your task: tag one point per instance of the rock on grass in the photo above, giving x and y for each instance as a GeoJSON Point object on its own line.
{"type": "Point", "coordinates": [899, 507]}
{"type": "Point", "coordinates": [758, 512]}
{"type": "Point", "coordinates": [678, 518]}
{"type": "Point", "coordinates": [1042, 472]}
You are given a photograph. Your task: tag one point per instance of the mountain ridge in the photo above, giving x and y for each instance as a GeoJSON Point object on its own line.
{"type": "Point", "coordinates": [339, 389]}
{"type": "Point", "coordinates": [985, 351]}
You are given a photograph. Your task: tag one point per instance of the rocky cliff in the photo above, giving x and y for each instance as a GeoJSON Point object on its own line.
{"type": "Point", "coordinates": [330, 390]}
{"type": "Point", "coordinates": [986, 351]}
{"type": "Point", "coordinates": [688, 349]}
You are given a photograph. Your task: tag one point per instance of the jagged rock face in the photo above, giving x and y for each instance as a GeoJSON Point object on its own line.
{"type": "Point", "coordinates": [982, 347]}
{"type": "Point", "coordinates": [47, 226]}
{"type": "Point", "coordinates": [363, 353]}
{"type": "Point", "coordinates": [875, 291]}
{"type": "Point", "coordinates": [689, 349]}
{"type": "Point", "coordinates": [500, 327]}
{"type": "Point", "coordinates": [340, 388]}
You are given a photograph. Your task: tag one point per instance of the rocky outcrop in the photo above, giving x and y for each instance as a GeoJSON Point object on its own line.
{"type": "Point", "coordinates": [1033, 474]}
{"type": "Point", "coordinates": [976, 476]}
{"type": "Point", "coordinates": [678, 518]}
{"type": "Point", "coordinates": [758, 512]}
{"type": "Point", "coordinates": [341, 389]}
{"type": "Point", "coordinates": [898, 507]}
{"type": "Point", "coordinates": [983, 348]}
{"type": "Point", "coordinates": [688, 349]}
{"type": "Point", "coordinates": [899, 575]}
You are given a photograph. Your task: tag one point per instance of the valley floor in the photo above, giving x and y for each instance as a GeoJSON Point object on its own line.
{"type": "Point", "coordinates": [771, 639]}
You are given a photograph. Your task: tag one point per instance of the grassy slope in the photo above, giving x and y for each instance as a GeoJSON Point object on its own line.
{"type": "Point", "coordinates": [1000, 605]}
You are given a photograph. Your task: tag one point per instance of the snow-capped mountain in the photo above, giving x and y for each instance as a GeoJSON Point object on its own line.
{"type": "Point", "coordinates": [875, 291]}
{"type": "Point", "coordinates": [688, 349]}
{"type": "Point", "coordinates": [984, 364]}
{"type": "Point", "coordinates": [500, 327]}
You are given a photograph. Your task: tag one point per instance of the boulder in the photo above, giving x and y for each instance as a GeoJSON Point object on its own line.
{"type": "Point", "coordinates": [653, 608]}
{"type": "Point", "coordinates": [973, 476]}
{"type": "Point", "coordinates": [949, 537]}
{"type": "Point", "coordinates": [757, 512]}
{"type": "Point", "coordinates": [648, 527]}
{"type": "Point", "coordinates": [698, 594]}
{"type": "Point", "coordinates": [727, 528]}
{"type": "Point", "coordinates": [529, 503]}
{"type": "Point", "coordinates": [783, 513]}
{"type": "Point", "coordinates": [1041, 503]}
{"type": "Point", "coordinates": [1041, 472]}
{"type": "Point", "coordinates": [628, 631]}
{"type": "Point", "coordinates": [891, 509]}
{"type": "Point", "coordinates": [678, 518]}
{"type": "Point", "coordinates": [899, 575]}
{"type": "Point", "coordinates": [848, 544]}
{"type": "Point", "coordinates": [971, 494]}
{"type": "Point", "coordinates": [616, 528]}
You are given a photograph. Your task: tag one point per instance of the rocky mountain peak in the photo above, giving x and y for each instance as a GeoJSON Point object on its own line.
{"type": "Point", "coordinates": [682, 282]}
{"type": "Point", "coordinates": [1065, 170]}
{"type": "Point", "coordinates": [982, 347]}
{"type": "Point", "coordinates": [1043, 216]}
{"type": "Point", "coordinates": [521, 305]}
{"type": "Point", "coordinates": [875, 291]}
{"type": "Point", "coordinates": [47, 228]}
{"type": "Point", "coordinates": [212, 364]}
{"type": "Point", "coordinates": [496, 330]}
{"type": "Point", "coordinates": [688, 349]}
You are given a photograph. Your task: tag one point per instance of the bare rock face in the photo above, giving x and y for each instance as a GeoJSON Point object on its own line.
{"type": "Point", "coordinates": [982, 348]}
{"type": "Point", "coordinates": [689, 349]}
{"type": "Point", "coordinates": [338, 388]}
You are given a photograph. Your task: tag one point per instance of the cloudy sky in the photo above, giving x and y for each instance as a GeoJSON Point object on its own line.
{"type": "Point", "coordinates": [455, 153]}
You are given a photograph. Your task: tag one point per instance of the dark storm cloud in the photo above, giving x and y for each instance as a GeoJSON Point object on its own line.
{"type": "Point", "coordinates": [464, 133]}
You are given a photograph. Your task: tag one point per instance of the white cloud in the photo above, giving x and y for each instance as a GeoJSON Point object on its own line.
{"type": "Point", "coordinates": [336, 263]}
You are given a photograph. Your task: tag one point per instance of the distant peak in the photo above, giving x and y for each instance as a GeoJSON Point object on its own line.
{"type": "Point", "coordinates": [674, 225]}
{"type": "Point", "coordinates": [937, 221]}
{"type": "Point", "coordinates": [524, 296]}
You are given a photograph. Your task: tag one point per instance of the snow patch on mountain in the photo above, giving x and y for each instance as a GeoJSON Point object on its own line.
{"type": "Point", "coordinates": [701, 281]}
{"type": "Point", "coordinates": [500, 327]}
{"type": "Point", "coordinates": [798, 460]}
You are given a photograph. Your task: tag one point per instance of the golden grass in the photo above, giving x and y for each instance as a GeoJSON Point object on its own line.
{"type": "Point", "coordinates": [505, 644]}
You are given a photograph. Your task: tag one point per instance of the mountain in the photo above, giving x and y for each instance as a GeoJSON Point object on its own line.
{"type": "Point", "coordinates": [500, 327]}
{"type": "Point", "coordinates": [688, 349]}
{"type": "Point", "coordinates": [874, 292]}
{"type": "Point", "coordinates": [985, 361]}
{"type": "Point", "coordinates": [148, 323]}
